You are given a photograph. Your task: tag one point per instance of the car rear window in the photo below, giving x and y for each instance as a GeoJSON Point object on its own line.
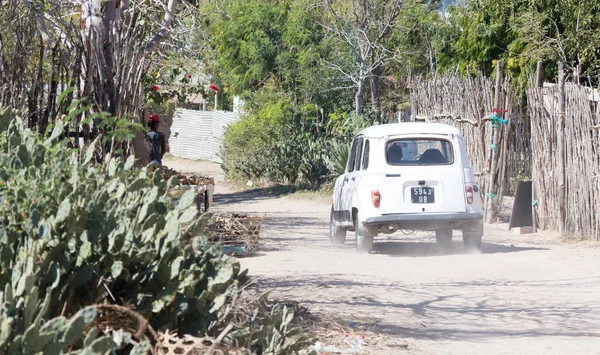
{"type": "Point", "coordinates": [419, 152]}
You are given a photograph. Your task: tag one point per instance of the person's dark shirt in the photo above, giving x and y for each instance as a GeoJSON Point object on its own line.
{"type": "Point", "coordinates": [157, 148]}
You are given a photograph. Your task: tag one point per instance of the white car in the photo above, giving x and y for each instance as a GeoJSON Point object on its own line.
{"type": "Point", "coordinates": [410, 177]}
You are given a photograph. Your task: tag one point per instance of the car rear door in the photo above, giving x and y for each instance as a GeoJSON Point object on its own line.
{"type": "Point", "coordinates": [353, 169]}
{"type": "Point", "coordinates": [428, 180]}
{"type": "Point", "coordinates": [341, 192]}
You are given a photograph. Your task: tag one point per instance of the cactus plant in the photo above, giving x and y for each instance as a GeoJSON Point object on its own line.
{"type": "Point", "coordinates": [74, 234]}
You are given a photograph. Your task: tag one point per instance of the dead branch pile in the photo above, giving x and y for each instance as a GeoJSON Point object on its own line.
{"type": "Point", "coordinates": [187, 178]}
{"type": "Point", "coordinates": [171, 344]}
{"type": "Point", "coordinates": [113, 318]}
{"type": "Point", "coordinates": [235, 230]}
{"type": "Point", "coordinates": [581, 159]}
{"type": "Point", "coordinates": [467, 103]}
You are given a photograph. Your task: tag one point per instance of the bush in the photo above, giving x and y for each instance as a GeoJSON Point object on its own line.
{"type": "Point", "coordinates": [74, 234]}
{"type": "Point", "coordinates": [245, 146]}
{"type": "Point", "coordinates": [252, 150]}
{"type": "Point", "coordinates": [337, 158]}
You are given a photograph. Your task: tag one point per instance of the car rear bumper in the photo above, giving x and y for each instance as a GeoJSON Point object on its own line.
{"type": "Point", "coordinates": [425, 221]}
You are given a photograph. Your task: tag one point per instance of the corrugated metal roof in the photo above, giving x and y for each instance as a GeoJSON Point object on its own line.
{"type": "Point", "coordinates": [198, 134]}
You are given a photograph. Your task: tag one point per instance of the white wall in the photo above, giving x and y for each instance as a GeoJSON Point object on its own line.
{"type": "Point", "coordinates": [198, 134]}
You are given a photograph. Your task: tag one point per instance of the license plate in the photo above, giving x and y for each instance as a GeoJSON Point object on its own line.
{"type": "Point", "coordinates": [422, 195]}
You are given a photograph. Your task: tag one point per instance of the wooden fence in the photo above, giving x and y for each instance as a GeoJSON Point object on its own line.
{"type": "Point", "coordinates": [467, 103]}
{"type": "Point", "coordinates": [580, 198]}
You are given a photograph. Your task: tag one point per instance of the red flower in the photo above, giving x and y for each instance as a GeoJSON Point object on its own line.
{"type": "Point", "coordinates": [214, 88]}
{"type": "Point", "coordinates": [155, 88]}
{"type": "Point", "coordinates": [189, 76]}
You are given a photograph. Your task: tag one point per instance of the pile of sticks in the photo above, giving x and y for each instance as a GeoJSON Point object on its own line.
{"type": "Point", "coordinates": [234, 230]}
{"type": "Point", "coordinates": [186, 178]}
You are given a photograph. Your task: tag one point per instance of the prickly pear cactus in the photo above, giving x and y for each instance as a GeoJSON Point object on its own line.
{"type": "Point", "coordinates": [73, 234]}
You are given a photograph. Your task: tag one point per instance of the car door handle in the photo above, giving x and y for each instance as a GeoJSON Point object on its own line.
{"type": "Point", "coordinates": [345, 179]}
{"type": "Point", "coordinates": [353, 178]}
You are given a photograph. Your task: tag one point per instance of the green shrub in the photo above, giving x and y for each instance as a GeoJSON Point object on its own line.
{"type": "Point", "coordinates": [245, 146]}
{"type": "Point", "coordinates": [75, 234]}
{"type": "Point", "coordinates": [337, 157]}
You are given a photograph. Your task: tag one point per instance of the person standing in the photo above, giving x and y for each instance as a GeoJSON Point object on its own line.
{"type": "Point", "coordinates": [156, 140]}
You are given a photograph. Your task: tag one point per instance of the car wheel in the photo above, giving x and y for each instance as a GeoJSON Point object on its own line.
{"type": "Point", "coordinates": [364, 243]}
{"type": "Point", "coordinates": [443, 237]}
{"type": "Point", "coordinates": [337, 235]}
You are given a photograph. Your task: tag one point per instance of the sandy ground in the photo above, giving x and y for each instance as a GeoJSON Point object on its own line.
{"type": "Point", "coordinates": [525, 294]}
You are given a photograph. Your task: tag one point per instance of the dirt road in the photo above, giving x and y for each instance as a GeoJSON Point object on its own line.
{"type": "Point", "coordinates": [522, 295]}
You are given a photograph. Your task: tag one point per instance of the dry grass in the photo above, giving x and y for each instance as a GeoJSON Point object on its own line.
{"type": "Point", "coordinates": [322, 195]}
{"type": "Point", "coordinates": [582, 240]}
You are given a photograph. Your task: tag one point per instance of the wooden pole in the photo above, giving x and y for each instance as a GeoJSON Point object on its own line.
{"type": "Point", "coordinates": [503, 152]}
{"type": "Point", "coordinates": [490, 210]}
{"type": "Point", "coordinates": [539, 74]}
{"type": "Point", "coordinates": [539, 84]}
{"type": "Point", "coordinates": [561, 147]}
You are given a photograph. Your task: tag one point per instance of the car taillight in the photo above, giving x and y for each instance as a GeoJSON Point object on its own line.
{"type": "Point", "coordinates": [469, 195]}
{"type": "Point", "coordinates": [376, 197]}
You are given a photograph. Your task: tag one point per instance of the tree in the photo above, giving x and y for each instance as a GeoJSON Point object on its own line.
{"type": "Point", "coordinates": [363, 26]}
{"type": "Point", "coordinates": [101, 48]}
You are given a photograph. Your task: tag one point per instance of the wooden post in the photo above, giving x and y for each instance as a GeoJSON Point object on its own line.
{"type": "Point", "coordinates": [539, 74]}
{"type": "Point", "coordinates": [490, 211]}
{"type": "Point", "coordinates": [561, 147]}
{"type": "Point", "coordinates": [539, 84]}
{"type": "Point", "coordinates": [503, 152]}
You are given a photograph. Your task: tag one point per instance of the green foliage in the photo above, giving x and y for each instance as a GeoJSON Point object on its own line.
{"type": "Point", "coordinates": [57, 335]}
{"type": "Point", "coordinates": [6, 116]}
{"type": "Point", "coordinates": [74, 234]}
{"type": "Point", "coordinates": [520, 32]}
{"type": "Point", "coordinates": [338, 158]}
{"type": "Point", "coordinates": [88, 228]}
{"type": "Point", "coordinates": [288, 51]}
{"type": "Point", "coordinates": [246, 46]}
{"type": "Point", "coordinates": [271, 328]}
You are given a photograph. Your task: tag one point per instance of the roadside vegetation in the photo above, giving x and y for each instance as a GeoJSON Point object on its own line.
{"type": "Point", "coordinates": [82, 226]}
{"type": "Point", "coordinates": [78, 235]}
{"type": "Point", "coordinates": [313, 73]}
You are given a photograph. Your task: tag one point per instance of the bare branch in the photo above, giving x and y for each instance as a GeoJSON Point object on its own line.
{"type": "Point", "coordinates": [165, 28]}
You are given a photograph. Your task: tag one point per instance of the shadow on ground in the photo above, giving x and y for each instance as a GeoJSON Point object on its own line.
{"type": "Point", "coordinates": [440, 311]}
{"type": "Point", "coordinates": [425, 249]}
{"type": "Point", "coordinates": [311, 231]}
{"type": "Point", "coordinates": [260, 194]}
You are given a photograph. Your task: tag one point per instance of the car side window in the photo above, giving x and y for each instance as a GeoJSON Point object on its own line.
{"type": "Point", "coordinates": [352, 157]}
{"type": "Point", "coordinates": [359, 151]}
{"type": "Point", "coordinates": [365, 162]}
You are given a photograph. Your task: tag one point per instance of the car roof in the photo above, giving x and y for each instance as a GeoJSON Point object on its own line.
{"type": "Point", "coordinates": [392, 129]}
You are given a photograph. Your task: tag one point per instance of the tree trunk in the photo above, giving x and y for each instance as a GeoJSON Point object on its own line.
{"type": "Point", "coordinates": [375, 95]}
{"type": "Point", "coordinates": [491, 211]}
{"type": "Point", "coordinates": [358, 109]}
{"type": "Point", "coordinates": [358, 104]}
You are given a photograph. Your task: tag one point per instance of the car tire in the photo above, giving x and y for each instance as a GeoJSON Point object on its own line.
{"type": "Point", "coordinates": [337, 235]}
{"type": "Point", "coordinates": [443, 237]}
{"type": "Point", "coordinates": [364, 242]}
